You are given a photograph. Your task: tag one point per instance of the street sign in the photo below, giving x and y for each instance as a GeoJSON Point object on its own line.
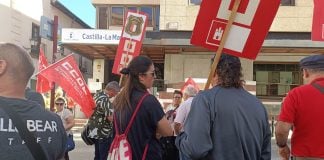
{"type": "Point", "coordinates": [90, 36]}
{"type": "Point", "coordinates": [246, 35]}
{"type": "Point", "coordinates": [46, 30]}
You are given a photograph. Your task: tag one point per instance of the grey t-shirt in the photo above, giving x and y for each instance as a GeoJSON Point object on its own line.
{"type": "Point", "coordinates": [226, 124]}
{"type": "Point", "coordinates": [47, 126]}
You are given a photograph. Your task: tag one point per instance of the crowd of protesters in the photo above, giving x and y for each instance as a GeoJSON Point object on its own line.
{"type": "Point", "coordinates": [225, 122]}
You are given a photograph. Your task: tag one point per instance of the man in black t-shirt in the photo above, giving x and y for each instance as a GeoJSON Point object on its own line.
{"type": "Point", "coordinates": [16, 68]}
{"type": "Point", "coordinates": [34, 96]}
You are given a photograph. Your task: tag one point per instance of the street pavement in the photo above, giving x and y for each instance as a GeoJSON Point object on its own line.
{"type": "Point", "coordinates": [84, 152]}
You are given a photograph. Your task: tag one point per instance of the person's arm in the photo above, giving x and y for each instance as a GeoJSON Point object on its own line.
{"type": "Point", "coordinates": [157, 118]}
{"type": "Point", "coordinates": [285, 122]}
{"type": "Point", "coordinates": [177, 128]}
{"type": "Point", "coordinates": [180, 118]}
{"type": "Point", "coordinates": [196, 140]}
{"type": "Point", "coordinates": [163, 128]}
{"type": "Point", "coordinates": [68, 118]}
{"type": "Point", "coordinates": [282, 132]}
{"type": "Point", "coordinates": [69, 122]}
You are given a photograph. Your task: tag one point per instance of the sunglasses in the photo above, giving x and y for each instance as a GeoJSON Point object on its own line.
{"type": "Point", "coordinates": [150, 73]}
{"type": "Point", "coordinates": [177, 97]}
{"type": "Point", "coordinates": [59, 104]}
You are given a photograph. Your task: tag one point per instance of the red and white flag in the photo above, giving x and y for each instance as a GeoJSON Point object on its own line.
{"type": "Point", "coordinates": [66, 74]}
{"type": "Point", "coordinates": [130, 42]}
{"type": "Point", "coordinates": [247, 33]}
{"type": "Point", "coordinates": [318, 21]}
{"type": "Point", "coordinates": [191, 82]}
{"type": "Point", "coordinates": [42, 84]}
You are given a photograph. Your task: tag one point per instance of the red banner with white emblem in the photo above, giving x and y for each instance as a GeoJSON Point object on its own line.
{"type": "Point", "coordinates": [66, 74]}
{"type": "Point", "coordinates": [318, 21]}
{"type": "Point", "coordinates": [131, 39]}
{"type": "Point", "coordinates": [246, 35]}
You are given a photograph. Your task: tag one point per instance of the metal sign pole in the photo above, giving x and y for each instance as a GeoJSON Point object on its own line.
{"type": "Point", "coordinates": [55, 27]}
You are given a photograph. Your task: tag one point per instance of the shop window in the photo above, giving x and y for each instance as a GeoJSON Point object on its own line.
{"type": "Point", "coordinates": [288, 2]}
{"type": "Point", "coordinates": [117, 16]}
{"type": "Point", "coordinates": [276, 80]}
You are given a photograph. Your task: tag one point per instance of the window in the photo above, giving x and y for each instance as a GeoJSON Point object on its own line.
{"type": "Point", "coordinates": [288, 2]}
{"type": "Point", "coordinates": [34, 41]}
{"type": "Point", "coordinates": [195, 2]}
{"type": "Point", "coordinates": [102, 18]}
{"type": "Point", "coordinates": [149, 12]}
{"type": "Point", "coordinates": [117, 16]}
{"type": "Point", "coordinates": [276, 79]}
{"type": "Point", "coordinates": [118, 13]}
{"type": "Point", "coordinates": [134, 9]}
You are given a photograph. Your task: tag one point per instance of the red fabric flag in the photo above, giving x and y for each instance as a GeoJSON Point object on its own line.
{"type": "Point", "coordinates": [42, 84]}
{"type": "Point", "coordinates": [131, 40]}
{"type": "Point", "coordinates": [190, 81]}
{"type": "Point", "coordinates": [66, 73]}
{"type": "Point", "coordinates": [318, 21]}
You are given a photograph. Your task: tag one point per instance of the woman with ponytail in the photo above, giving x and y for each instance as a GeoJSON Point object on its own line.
{"type": "Point", "coordinates": [149, 120]}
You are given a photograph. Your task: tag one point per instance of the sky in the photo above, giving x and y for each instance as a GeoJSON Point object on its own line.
{"type": "Point", "coordinates": [83, 9]}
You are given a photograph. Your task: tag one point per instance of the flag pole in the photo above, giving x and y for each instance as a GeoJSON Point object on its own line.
{"type": "Point", "coordinates": [55, 28]}
{"type": "Point", "coordinates": [222, 43]}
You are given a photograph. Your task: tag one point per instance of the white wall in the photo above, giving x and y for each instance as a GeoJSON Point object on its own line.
{"type": "Point", "coordinates": [16, 21]}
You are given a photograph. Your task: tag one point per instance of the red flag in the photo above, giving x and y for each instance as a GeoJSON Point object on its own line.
{"type": "Point", "coordinates": [130, 42]}
{"type": "Point", "coordinates": [318, 21]}
{"type": "Point", "coordinates": [42, 84]}
{"type": "Point", "coordinates": [190, 81]}
{"type": "Point", "coordinates": [66, 73]}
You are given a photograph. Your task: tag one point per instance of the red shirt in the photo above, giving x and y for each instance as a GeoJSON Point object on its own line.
{"type": "Point", "coordinates": [304, 108]}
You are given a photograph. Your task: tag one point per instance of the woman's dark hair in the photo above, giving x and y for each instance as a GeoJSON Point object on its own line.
{"type": "Point", "coordinates": [139, 65]}
{"type": "Point", "coordinates": [177, 92]}
{"type": "Point", "coordinates": [229, 71]}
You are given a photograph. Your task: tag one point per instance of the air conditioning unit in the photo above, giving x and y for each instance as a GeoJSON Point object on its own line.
{"type": "Point", "coordinates": [172, 25]}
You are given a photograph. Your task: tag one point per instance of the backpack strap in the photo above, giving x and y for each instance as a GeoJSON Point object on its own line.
{"type": "Point", "coordinates": [145, 151]}
{"type": "Point", "coordinates": [132, 118]}
{"type": "Point", "coordinates": [319, 87]}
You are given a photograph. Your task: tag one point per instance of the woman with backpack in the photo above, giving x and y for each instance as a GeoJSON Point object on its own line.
{"type": "Point", "coordinates": [138, 116]}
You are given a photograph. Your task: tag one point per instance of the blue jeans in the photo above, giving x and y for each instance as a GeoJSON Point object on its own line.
{"type": "Point", "coordinates": [102, 148]}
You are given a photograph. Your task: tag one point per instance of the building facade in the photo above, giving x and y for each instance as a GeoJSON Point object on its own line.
{"type": "Point", "coordinates": [20, 21]}
{"type": "Point", "coordinates": [167, 42]}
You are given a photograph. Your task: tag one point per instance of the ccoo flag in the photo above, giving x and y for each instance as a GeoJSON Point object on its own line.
{"type": "Point", "coordinates": [66, 73]}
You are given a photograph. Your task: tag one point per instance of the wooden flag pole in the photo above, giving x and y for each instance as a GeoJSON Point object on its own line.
{"type": "Point", "coordinates": [222, 43]}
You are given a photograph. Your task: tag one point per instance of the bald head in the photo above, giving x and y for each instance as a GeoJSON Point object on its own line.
{"type": "Point", "coordinates": [18, 63]}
